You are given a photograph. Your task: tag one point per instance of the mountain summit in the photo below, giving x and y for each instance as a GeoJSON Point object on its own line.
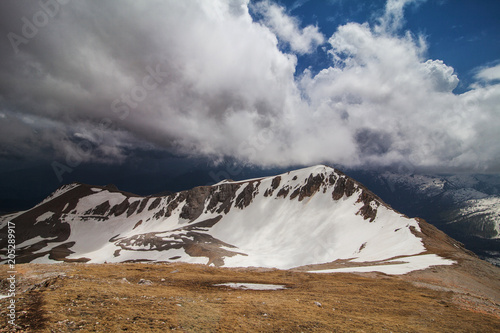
{"type": "Point", "coordinates": [315, 218]}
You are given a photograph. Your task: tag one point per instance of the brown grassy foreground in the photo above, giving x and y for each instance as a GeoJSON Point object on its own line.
{"type": "Point", "coordinates": [96, 298]}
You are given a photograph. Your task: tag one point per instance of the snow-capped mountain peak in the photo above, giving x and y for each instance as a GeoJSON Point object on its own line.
{"type": "Point", "coordinates": [310, 216]}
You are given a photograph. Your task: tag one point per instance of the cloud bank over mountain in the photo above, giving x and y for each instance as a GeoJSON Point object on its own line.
{"type": "Point", "coordinates": [85, 81]}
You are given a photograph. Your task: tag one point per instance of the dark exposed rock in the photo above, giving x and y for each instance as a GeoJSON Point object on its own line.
{"type": "Point", "coordinates": [159, 214]}
{"type": "Point", "coordinates": [133, 206]}
{"type": "Point", "coordinates": [312, 185]}
{"type": "Point", "coordinates": [246, 196]}
{"type": "Point", "coordinates": [195, 203]}
{"type": "Point", "coordinates": [343, 186]}
{"type": "Point", "coordinates": [114, 238]}
{"type": "Point", "coordinates": [155, 203]}
{"type": "Point", "coordinates": [119, 209]}
{"type": "Point", "coordinates": [137, 224]}
{"type": "Point", "coordinates": [367, 211]}
{"type": "Point", "coordinates": [283, 192]}
{"type": "Point", "coordinates": [332, 178]}
{"type": "Point", "coordinates": [222, 195]}
{"type": "Point", "coordinates": [204, 245]}
{"type": "Point", "coordinates": [142, 205]}
{"type": "Point", "coordinates": [295, 193]}
{"type": "Point", "coordinates": [276, 182]}
{"type": "Point", "coordinates": [274, 185]}
{"type": "Point", "coordinates": [174, 201]}
{"type": "Point", "coordinates": [101, 209]}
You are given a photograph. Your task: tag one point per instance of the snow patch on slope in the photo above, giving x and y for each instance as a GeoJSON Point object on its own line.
{"type": "Point", "coordinates": [44, 216]}
{"type": "Point", "coordinates": [397, 266]}
{"type": "Point", "coordinates": [91, 201]}
{"type": "Point", "coordinates": [32, 241]}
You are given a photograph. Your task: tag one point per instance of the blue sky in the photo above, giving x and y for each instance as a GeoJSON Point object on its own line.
{"type": "Point", "coordinates": [464, 34]}
{"type": "Point", "coordinates": [89, 90]}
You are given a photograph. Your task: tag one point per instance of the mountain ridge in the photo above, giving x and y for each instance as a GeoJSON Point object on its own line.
{"type": "Point", "coordinates": [309, 216]}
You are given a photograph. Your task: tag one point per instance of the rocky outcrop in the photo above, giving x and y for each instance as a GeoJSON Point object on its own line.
{"type": "Point", "coordinates": [370, 205]}
{"type": "Point", "coordinates": [101, 209]}
{"type": "Point", "coordinates": [246, 196]}
{"type": "Point", "coordinates": [222, 198]}
{"type": "Point", "coordinates": [312, 185]}
{"type": "Point", "coordinates": [154, 204]}
{"type": "Point", "coordinates": [283, 192]}
{"type": "Point", "coordinates": [343, 186]}
{"type": "Point", "coordinates": [195, 203]}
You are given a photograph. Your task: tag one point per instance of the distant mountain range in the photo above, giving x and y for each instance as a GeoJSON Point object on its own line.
{"type": "Point", "coordinates": [467, 207]}
{"type": "Point", "coordinates": [315, 218]}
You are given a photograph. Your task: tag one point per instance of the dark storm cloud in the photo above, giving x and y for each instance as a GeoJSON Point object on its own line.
{"type": "Point", "coordinates": [97, 81]}
{"type": "Point", "coordinates": [373, 142]}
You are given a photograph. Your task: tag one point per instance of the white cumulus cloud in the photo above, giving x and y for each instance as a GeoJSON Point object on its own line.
{"type": "Point", "coordinates": [204, 78]}
{"type": "Point", "coordinates": [489, 73]}
{"type": "Point", "coordinates": [287, 28]}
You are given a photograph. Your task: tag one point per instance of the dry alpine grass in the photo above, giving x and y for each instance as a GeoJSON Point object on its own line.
{"type": "Point", "coordinates": [110, 298]}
